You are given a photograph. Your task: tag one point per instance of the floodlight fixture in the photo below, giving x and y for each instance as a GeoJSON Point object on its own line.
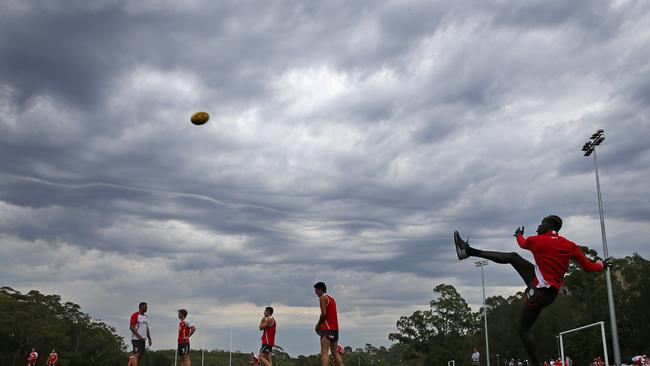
{"type": "Point", "coordinates": [590, 147]}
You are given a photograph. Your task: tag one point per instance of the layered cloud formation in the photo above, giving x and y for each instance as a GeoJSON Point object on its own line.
{"type": "Point", "coordinates": [347, 141]}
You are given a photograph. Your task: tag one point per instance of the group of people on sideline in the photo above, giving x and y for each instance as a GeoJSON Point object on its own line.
{"type": "Point", "coordinates": [641, 360]}
{"type": "Point", "coordinates": [327, 329]}
{"type": "Point", "coordinates": [51, 359]}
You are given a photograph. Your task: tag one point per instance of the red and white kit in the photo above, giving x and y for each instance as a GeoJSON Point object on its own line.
{"type": "Point", "coordinates": [33, 356]}
{"type": "Point", "coordinates": [552, 253]}
{"type": "Point", "coordinates": [184, 329]}
{"type": "Point", "coordinates": [140, 322]}
{"type": "Point", "coordinates": [268, 336]}
{"type": "Point", "coordinates": [331, 319]}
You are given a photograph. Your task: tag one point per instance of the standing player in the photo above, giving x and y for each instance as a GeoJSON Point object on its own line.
{"type": "Point", "coordinates": [139, 326]}
{"type": "Point", "coordinates": [185, 331]}
{"type": "Point", "coordinates": [267, 326]}
{"type": "Point", "coordinates": [254, 360]}
{"type": "Point", "coordinates": [51, 360]}
{"type": "Point", "coordinates": [328, 325]}
{"type": "Point", "coordinates": [476, 357]}
{"type": "Point", "coordinates": [543, 279]}
{"type": "Point", "coordinates": [33, 357]}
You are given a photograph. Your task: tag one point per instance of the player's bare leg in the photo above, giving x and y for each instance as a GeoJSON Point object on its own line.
{"type": "Point", "coordinates": [338, 360]}
{"type": "Point", "coordinates": [186, 360]}
{"type": "Point", "coordinates": [265, 359]}
{"type": "Point", "coordinates": [324, 351]}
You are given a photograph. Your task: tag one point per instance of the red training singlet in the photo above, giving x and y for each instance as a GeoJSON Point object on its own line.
{"type": "Point", "coordinates": [331, 319]}
{"type": "Point", "coordinates": [552, 253]}
{"type": "Point", "coordinates": [268, 336]}
{"type": "Point", "coordinates": [184, 331]}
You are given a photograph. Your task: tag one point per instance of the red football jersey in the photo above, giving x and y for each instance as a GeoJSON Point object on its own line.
{"type": "Point", "coordinates": [552, 253]}
{"type": "Point", "coordinates": [268, 336]}
{"type": "Point", "coordinates": [331, 318]}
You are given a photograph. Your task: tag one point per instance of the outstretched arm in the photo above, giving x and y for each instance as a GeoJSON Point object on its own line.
{"type": "Point", "coordinates": [585, 263]}
{"type": "Point", "coordinates": [519, 234]}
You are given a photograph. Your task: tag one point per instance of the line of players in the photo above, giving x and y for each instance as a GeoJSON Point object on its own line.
{"type": "Point", "coordinates": [51, 359]}
{"type": "Point", "coordinates": [327, 329]}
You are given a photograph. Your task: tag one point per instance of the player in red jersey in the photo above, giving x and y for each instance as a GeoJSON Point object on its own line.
{"type": "Point", "coordinates": [328, 325]}
{"type": "Point", "coordinates": [339, 350]}
{"type": "Point", "coordinates": [139, 327]}
{"type": "Point", "coordinates": [51, 360]}
{"type": "Point", "coordinates": [267, 326]}
{"type": "Point", "coordinates": [33, 357]}
{"type": "Point", "coordinates": [543, 279]}
{"type": "Point", "coordinates": [185, 331]}
{"type": "Point", "coordinates": [253, 359]}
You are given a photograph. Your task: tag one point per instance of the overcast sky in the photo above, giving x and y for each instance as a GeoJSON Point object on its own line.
{"type": "Point", "coordinates": [348, 140]}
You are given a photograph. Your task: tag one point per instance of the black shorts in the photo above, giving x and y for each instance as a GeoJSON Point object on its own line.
{"type": "Point", "coordinates": [138, 346]}
{"type": "Point", "coordinates": [183, 349]}
{"type": "Point", "coordinates": [331, 335]}
{"type": "Point", "coordinates": [266, 348]}
{"type": "Point", "coordinates": [539, 297]}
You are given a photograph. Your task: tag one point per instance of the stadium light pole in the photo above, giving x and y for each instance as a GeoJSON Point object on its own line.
{"type": "Point", "coordinates": [589, 148]}
{"type": "Point", "coordinates": [482, 264]}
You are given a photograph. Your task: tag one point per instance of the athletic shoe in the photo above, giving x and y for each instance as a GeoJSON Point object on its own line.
{"type": "Point", "coordinates": [461, 246]}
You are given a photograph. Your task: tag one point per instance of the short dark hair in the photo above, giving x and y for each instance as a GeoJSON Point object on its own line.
{"type": "Point", "coordinates": [183, 311]}
{"type": "Point", "coordinates": [554, 222]}
{"type": "Point", "coordinates": [269, 309]}
{"type": "Point", "coordinates": [320, 286]}
{"type": "Point", "coordinates": [142, 303]}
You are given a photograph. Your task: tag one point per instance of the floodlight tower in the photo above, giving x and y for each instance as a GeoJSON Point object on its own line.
{"type": "Point", "coordinates": [590, 148]}
{"type": "Point", "coordinates": [482, 264]}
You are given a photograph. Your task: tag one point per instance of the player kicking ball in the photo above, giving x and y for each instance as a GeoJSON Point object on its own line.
{"type": "Point", "coordinates": [543, 279]}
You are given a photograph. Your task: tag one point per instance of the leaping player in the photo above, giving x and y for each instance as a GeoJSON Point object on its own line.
{"type": "Point", "coordinates": [543, 279]}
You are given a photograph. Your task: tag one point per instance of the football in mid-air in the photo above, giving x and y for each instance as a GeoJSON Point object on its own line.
{"type": "Point", "coordinates": [200, 118]}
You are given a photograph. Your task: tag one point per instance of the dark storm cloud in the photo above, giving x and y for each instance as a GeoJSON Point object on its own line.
{"type": "Point", "coordinates": [66, 51]}
{"type": "Point", "coordinates": [347, 141]}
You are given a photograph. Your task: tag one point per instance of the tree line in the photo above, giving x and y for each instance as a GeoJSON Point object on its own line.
{"type": "Point", "coordinates": [447, 330]}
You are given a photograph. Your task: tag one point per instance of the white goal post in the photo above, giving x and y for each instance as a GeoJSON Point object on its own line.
{"type": "Point", "coordinates": [602, 334]}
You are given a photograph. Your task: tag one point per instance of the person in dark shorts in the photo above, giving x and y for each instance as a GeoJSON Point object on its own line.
{"type": "Point", "coordinates": [543, 279]}
{"type": "Point", "coordinates": [185, 331]}
{"type": "Point", "coordinates": [267, 326]}
{"type": "Point", "coordinates": [328, 325]}
{"type": "Point", "coordinates": [139, 326]}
